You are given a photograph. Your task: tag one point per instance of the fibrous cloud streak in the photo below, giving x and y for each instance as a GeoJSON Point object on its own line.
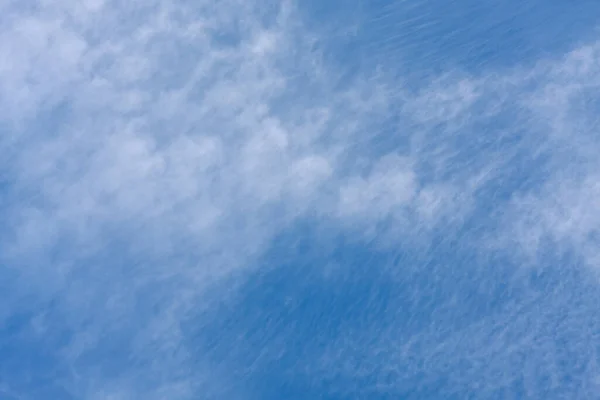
{"type": "Point", "coordinates": [152, 150]}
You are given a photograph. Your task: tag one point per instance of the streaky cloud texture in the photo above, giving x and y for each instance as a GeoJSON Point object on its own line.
{"type": "Point", "coordinates": [252, 200]}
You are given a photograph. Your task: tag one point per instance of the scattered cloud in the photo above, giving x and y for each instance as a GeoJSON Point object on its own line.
{"type": "Point", "coordinates": [153, 150]}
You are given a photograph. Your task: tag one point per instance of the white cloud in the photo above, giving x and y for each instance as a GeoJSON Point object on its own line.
{"type": "Point", "coordinates": [391, 184]}
{"type": "Point", "coordinates": [518, 149]}
{"type": "Point", "coordinates": [204, 128]}
{"type": "Point", "coordinates": [199, 128]}
{"type": "Point", "coordinates": [563, 208]}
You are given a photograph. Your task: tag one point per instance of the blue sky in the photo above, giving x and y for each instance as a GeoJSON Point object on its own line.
{"type": "Point", "coordinates": [299, 200]}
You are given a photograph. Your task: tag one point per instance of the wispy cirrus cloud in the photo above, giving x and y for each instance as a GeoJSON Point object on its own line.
{"type": "Point", "coordinates": [520, 144]}
{"type": "Point", "coordinates": [154, 149]}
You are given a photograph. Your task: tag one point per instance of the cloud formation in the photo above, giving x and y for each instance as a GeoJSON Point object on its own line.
{"type": "Point", "coordinates": [153, 150]}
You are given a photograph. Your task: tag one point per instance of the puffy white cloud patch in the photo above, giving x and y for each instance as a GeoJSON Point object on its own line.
{"type": "Point", "coordinates": [152, 149]}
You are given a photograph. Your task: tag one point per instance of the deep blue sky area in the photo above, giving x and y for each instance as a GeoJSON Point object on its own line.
{"type": "Point", "coordinates": [300, 200]}
{"type": "Point", "coordinates": [427, 37]}
{"type": "Point", "coordinates": [294, 317]}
